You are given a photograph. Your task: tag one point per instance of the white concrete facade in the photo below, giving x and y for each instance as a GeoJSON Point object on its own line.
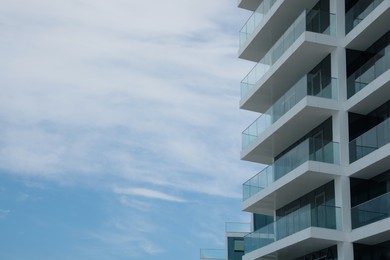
{"type": "Point", "coordinates": [283, 54]}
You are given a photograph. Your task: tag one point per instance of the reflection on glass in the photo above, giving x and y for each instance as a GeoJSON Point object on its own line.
{"type": "Point", "coordinates": [372, 69]}
{"type": "Point", "coordinates": [371, 211]}
{"type": "Point", "coordinates": [358, 12]}
{"type": "Point", "coordinates": [370, 141]}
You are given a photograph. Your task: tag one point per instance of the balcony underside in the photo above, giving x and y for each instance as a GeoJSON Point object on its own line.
{"type": "Point", "coordinates": [249, 4]}
{"type": "Point", "coordinates": [373, 233]}
{"type": "Point", "coordinates": [370, 29]}
{"type": "Point", "coordinates": [270, 30]}
{"type": "Point", "coordinates": [372, 164]}
{"type": "Point", "coordinates": [290, 187]}
{"type": "Point", "coordinates": [299, 244]}
{"type": "Point", "coordinates": [306, 52]}
{"type": "Point", "coordinates": [307, 114]}
{"type": "Point", "coordinates": [370, 97]}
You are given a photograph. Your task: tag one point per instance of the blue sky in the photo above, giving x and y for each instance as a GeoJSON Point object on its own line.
{"type": "Point", "coordinates": [120, 128]}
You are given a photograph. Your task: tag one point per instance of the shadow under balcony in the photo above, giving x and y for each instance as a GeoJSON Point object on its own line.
{"type": "Point", "coordinates": [248, 4]}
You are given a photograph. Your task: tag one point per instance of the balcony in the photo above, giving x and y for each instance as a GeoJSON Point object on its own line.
{"type": "Point", "coordinates": [370, 141]}
{"type": "Point", "coordinates": [304, 116]}
{"type": "Point", "coordinates": [365, 23]}
{"type": "Point", "coordinates": [254, 20]}
{"type": "Point", "coordinates": [327, 88]}
{"type": "Point", "coordinates": [313, 150]}
{"type": "Point", "coordinates": [370, 71]}
{"type": "Point", "coordinates": [267, 24]}
{"type": "Point", "coordinates": [371, 211]}
{"type": "Point", "coordinates": [370, 152]}
{"type": "Point", "coordinates": [212, 254]}
{"type": "Point", "coordinates": [307, 39]}
{"type": "Point", "coordinates": [249, 4]}
{"type": "Point", "coordinates": [305, 221]}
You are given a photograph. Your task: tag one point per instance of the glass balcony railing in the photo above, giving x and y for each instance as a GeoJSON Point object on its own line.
{"type": "Point", "coordinates": [371, 211]}
{"type": "Point", "coordinates": [327, 88]}
{"type": "Point", "coordinates": [255, 20]}
{"type": "Point", "coordinates": [370, 141]}
{"type": "Point", "coordinates": [212, 254]}
{"type": "Point", "coordinates": [309, 20]}
{"type": "Point", "coordinates": [237, 227]}
{"type": "Point", "coordinates": [372, 69]}
{"type": "Point", "coordinates": [321, 216]}
{"type": "Point", "coordinates": [309, 150]}
{"type": "Point", "coordinates": [358, 12]}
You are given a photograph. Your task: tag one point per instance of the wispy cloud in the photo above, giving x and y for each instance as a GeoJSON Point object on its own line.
{"type": "Point", "coordinates": [91, 88]}
{"type": "Point", "coordinates": [152, 194]}
{"type": "Point", "coordinates": [4, 213]}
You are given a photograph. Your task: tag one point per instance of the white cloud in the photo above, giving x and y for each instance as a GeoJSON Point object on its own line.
{"type": "Point", "coordinates": [152, 194]}
{"type": "Point", "coordinates": [124, 93]}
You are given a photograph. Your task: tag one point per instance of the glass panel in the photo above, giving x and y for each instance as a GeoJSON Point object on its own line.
{"type": "Point", "coordinates": [255, 20]}
{"type": "Point", "coordinates": [358, 12]}
{"type": "Point", "coordinates": [305, 22]}
{"type": "Point", "coordinates": [371, 211]}
{"type": "Point", "coordinates": [288, 162]}
{"type": "Point", "coordinates": [370, 141]}
{"type": "Point", "coordinates": [322, 216]}
{"type": "Point", "coordinates": [367, 73]}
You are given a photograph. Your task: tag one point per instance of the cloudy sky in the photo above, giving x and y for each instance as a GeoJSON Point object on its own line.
{"type": "Point", "coordinates": [119, 128]}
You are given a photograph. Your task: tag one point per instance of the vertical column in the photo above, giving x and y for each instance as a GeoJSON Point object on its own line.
{"type": "Point", "coordinates": [343, 199]}
{"type": "Point", "coordinates": [345, 251]}
{"type": "Point", "coordinates": [341, 130]}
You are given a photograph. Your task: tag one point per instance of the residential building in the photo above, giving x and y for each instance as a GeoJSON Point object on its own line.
{"type": "Point", "coordinates": [321, 86]}
{"type": "Point", "coordinates": [234, 243]}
